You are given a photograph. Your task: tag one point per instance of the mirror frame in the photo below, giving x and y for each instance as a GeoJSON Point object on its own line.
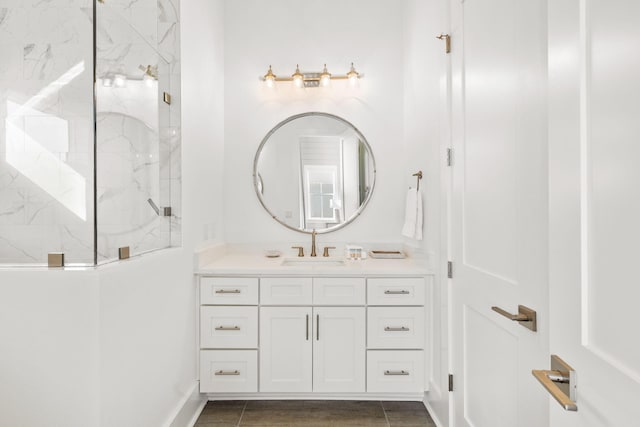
{"type": "Point", "coordinates": [256, 175]}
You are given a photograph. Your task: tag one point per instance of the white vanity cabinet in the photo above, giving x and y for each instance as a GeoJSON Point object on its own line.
{"type": "Point", "coordinates": [313, 335]}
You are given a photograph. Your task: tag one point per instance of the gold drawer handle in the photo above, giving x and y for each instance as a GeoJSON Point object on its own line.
{"type": "Point", "coordinates": [392, 329]}
{"type": "Point", "coordinates": [228, 291]}
{"type": "Point", "coordinates": [227, 328]}
{"type": "Point", "coordinates": [402, 292]}
{"type": "Point", "coordinates": [396, 372]}
{"type": "Point", "coordinates": [227, 372]}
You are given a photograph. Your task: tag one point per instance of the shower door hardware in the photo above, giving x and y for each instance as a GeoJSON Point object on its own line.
{"type": "Point", "coordinates": [166, 211]}
{"type": "Point", "coordinates": [449, 156]}
{"type": "Point", "coordinates": [228, 291]}
{"type": "Point", "coordinates": [402, 292]}
{"type": "Point", "coordinates": [166, 97]}
{"type": "Point", "coordinates": [396, 329]}
{"type": "Point", "coordinates": [447, 39]}
{"type": "Point", "coordinates": [560, 381]}
{"type": "Point", "coordinates": [227, 328]}
{"type": "Point", "coordinates": [396, 373]}
{"type": "Point", "coordinates": [55, 259]}
{"type": "Point", "coordinates": [450, 269]}
{"type": "Point", "coordinates": [124, 252]}
{"type": "Point", "coordinates": [227, 373]}
{"type": "Point", "coordinates": [526, 316]}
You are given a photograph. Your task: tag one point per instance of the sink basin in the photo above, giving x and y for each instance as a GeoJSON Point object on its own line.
{"type": "Point", "coordinates": [308, 262]}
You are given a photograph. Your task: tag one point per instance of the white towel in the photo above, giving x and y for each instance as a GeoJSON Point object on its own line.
{"type": "Point", "coordinates": [413, 215]}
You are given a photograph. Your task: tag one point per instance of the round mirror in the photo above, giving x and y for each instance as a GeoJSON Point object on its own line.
{"type": "Point", "coordinates": [314, 171]}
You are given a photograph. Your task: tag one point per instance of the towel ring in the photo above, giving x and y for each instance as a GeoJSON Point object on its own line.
{"type": "Point", "coordinates": [419, 175]}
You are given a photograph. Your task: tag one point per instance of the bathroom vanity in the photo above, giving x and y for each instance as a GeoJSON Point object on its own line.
{"type": "Point", "coordinates": [343, 329]}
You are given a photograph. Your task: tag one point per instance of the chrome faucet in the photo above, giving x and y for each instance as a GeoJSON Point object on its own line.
{"type": "Point", "coordinates": [313, 242]}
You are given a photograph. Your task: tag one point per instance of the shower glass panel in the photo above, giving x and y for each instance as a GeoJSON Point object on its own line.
{"type": "Point", "coordinates": [86, 169]}
{"type": "Point", "coordinates": [46, 133]}
{"type": "Point", "coordinates": [132, 124]}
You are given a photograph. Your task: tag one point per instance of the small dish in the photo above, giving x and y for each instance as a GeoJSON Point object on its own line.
{"type": "Point", "coordinates": [272, 253]}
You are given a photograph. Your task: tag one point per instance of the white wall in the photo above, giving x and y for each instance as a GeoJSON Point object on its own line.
{"type": "Point", "coordinates": [49, 348]}
{"type": "Point", "coordinates": [282, 33]}
{"type": "Point", "coordinates": [425, 126]}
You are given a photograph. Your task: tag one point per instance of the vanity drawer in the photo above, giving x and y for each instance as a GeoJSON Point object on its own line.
{"type": "Point", "coordinates": [228, 371]}
{"type": "Point", "coordinates": [339, 291]}
{"type": "Point", "coordinates": [395, 371]}
{"type": "Point", "coordinates": [229, 290]}
{"type": "Point", "coordinates": [286, 291]}
{"type": "Point", "coordinates": [396, 291]}
{"type": "Point", "coordinates": [395, 327]}
{"type": "Point", "coordinates": [228, 327]}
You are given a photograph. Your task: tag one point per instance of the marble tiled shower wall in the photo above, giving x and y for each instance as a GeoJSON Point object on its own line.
{"type": "Point", "coordinates": [47, 121]}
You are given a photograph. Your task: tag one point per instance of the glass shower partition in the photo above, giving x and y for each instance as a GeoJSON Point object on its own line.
{"type": "Point", "coordinates": [133, 140]}
{"type": "Point", "coordinates": [86, 140]}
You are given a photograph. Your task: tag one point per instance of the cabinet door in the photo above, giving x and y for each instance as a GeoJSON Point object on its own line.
{"type": "Point", "coordinates": [339, 349]}
{"type": "Point", "coordinates": [285, 349]}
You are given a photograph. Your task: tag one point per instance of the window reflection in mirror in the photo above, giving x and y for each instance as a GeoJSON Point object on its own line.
{"type": "Point", "coordinates": [314, 171]}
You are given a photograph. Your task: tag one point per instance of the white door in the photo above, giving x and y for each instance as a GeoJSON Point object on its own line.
{"type": "Point", "coordinates": [339, 363]}
{"type": "Point", "coordinates": [285, 349]}
{"type": "Point", "coordinates": [594, 164]}
{"type": "Point", "coordinates": [498, 210]}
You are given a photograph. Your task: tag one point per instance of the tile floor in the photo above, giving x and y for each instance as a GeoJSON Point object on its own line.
{"type": "Point", "coordinates": [314, 413]}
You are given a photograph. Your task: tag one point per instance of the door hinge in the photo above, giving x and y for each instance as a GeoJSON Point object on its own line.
{"type": "Point", "coordinates": [449, 156]}
{"type": "Point", "coordinates": [450, 269]}
{"type": "Point", "coordinates": [450, 382]}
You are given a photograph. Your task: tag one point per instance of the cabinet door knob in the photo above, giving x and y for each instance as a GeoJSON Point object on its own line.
{"type": "Point", "coordinates": [396, 329]}
{"type": "Point", "coordinates": [228, 291]}
{"type": "Point", "coordinates": [227, 328]}
{"type": "Point", "coordinates": [402, 292]}
{"type": "Point", "coordinates": [227, 372]}
{"type": "Point", "coordinates": [396, 372]}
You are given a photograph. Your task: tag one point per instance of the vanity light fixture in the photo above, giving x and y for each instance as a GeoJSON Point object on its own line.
{"type": "Point", "coordinates": [313, 79]}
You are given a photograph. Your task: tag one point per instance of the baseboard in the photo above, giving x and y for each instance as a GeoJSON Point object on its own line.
{"type": "Point", "coordinates": [434, 417]}
{"type": "Point", "coordinates": [416, 397]}
{"type": "Point", "coordinates": [189, 408]}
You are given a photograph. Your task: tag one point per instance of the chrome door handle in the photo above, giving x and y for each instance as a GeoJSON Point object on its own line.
{"type": "Point", "coordinates": [526, 316]}
{"type": "Point", "coordinates": [227, 328]}
{"type": "Point", "coordinates": [392, 329]}
{"type": "Point", "coordinates": [227, 373]}
{"type": "Point", "coordinates": [227, 291]}
{"type": "Point", "coordinates": [403, 292]}
{"type": "Point", "coordinates": [560, 381]}
{"type": "Point", "coordinates": [396, 372]}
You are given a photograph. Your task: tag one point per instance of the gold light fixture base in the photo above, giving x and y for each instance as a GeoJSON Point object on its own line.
{"type": "Point", "coordinates": [311, 79]}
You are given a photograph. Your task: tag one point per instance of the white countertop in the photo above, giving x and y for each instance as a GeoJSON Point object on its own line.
{"type": "Point", "coordinates": [243, 264]}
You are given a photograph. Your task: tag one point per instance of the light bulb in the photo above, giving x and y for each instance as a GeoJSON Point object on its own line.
{"type": "Point", "coordinates": [148, 80]}
{"type": "Point", "coordinates": [325, 77]}
{"type": "Point", "coordinates": [270, 78]}
{"type": "Point", "coordinates": [120, 80]}
{"type": "Point", "coordinates": [353, 75]}
{"type": "Point", "coordinates": [298, 77]}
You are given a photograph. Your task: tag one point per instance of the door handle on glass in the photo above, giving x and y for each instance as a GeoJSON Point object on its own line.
{"type": "Point", "coordinates": [526, 316]}
{"type": "Point", "coordinates": [560, 381]}
{"type": "Point", "coordinates": [227, 328]}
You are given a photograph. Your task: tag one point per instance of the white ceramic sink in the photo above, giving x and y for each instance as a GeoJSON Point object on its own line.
{"type": "Point", "coordinates": [316, 261]}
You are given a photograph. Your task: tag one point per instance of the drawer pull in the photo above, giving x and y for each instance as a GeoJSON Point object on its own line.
{"type": "Point", "coordinates": [228, 291]}
{"type": "Point", "coordinates": [396, 372]}
{"type": "Point", "coordinates": [402, 292]}
{"type": "Point", "coordinates": [227, 328]}
{"type": "Point", "coordinates": [400, 329]}
{"type": "Point", "coordinates": [227, 372]}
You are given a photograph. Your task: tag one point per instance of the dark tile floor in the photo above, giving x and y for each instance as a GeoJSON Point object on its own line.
{"type": "Point", "coordinates": [314, 413]}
